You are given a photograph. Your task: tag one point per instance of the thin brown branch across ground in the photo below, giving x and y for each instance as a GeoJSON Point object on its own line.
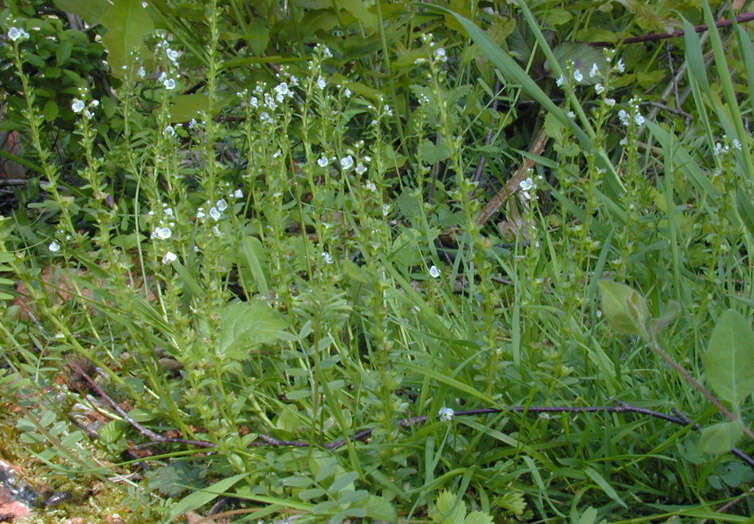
{"type": "Point", "coordinates": [653, 37]}
{"type": "Point", "coordinates": [514, 182]}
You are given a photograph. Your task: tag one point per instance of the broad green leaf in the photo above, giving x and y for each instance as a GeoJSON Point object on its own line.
{"type": "Point", "coordinates": [201, 497]}
{"type": "Point", "coordinates": [127, 24]}
{"type": "Point", "coordinates": [360, 12]}
{"type": "Point", "coordinates": [432, 153]}
{"type": "Point", "coordinates": [720, 438]}
{"type": "Point", "coordinates": [729, 360]}
{"type": "Point", "coordinates": [186, 107]}
{"type": "Point", "coordinates": [379, 508]}
{"type": "Point", "coordinates": [245, 325]}
{"type": "Point", "coordinates": [671, 312]}
{"type": "Point", "coordinates": [625, 309]}
{"type": "Point", "coordinates": [89, 10]}
{"type": "Point", "coordinates": [253, 254]}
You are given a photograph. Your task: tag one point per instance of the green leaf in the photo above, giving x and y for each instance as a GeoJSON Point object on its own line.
{"type": "Point", "coordinates": [478, 517]}
{"type": "Point", "coordinates": [625, 309]}
{"type": "Point", "coordinates": [584, 57]}
{"type": "Point", "coordinates": [360, 12]}
{"type": "Point", "coordinates": [50, 111]}
{"type": "Point", "coordinates": [379, 508]}
{"type": "Point", "coordinates": [89, 10]}
{"type": "Point", "coordinates": [513, 502]}
{"type": "Point", "coordinates": [127, 24]}
{"type": "Point", "coordinates": [448, 509]}
{"type": "Point", "coordinates": [729, 359]}
{"type": "Point", "coordinates": [253, 254]}
{"type": "Point", "coordinates": [201, 497]}
{"type": "Point", "coordinates": [245, 325]}
{"type": "Point", "coordinates": [720, 438]}
{"type": "Point", "coordinates": [431, 153]}
{"type": "Point", "coordinates": [604, 486]}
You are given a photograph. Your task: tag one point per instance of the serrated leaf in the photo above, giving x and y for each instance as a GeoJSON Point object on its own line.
{"type": "Point", "coordinates": [625, 309]}
{"type": "Point", "coordinates": [729, 359]}
{"type": "Point", "coordinates": [478, 517]}
{"type": "Point", "coordinates": [720, 438]}
{"type": "Point", "coordinates": [379, 508]}
{"type": "Point", "coordinates": [448, 508]}
{"type": "Point", "coordinates": [127, 24]}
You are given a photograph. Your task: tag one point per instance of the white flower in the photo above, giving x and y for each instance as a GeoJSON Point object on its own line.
{"type": "Point", "coordinates": [222, 205]}
{"type": "Point", "coordinates": [321, 83]}
{"type": "Point", "coordinates": [323, 161]}
{"type": "Point", "coordinates": [445, 414]}
{"type": "Point", "coordinates": [610, 102]}
{"type": "Point", "coordinates": [346, 162]}
{"type": "Point", "coordinates": [434, 272]}
{"type": "Point", "coordinates": [163, 233]}
{"type": "Point", "coordinates": [254, 101]}
{"type": "Point", "coordinates": [141, 72]}
{"type": "Point", "coordinates": [736, 143]}
{"type": "Point", "coordinates": [169, 257]}
{"type": "Point", "coordinates": [77, 106]}
{"type": "Point", "coordinates": [371, 187]}
{"type": "Point", "coordinates": [238, 193]}
{"type": "Point", "coordinates": [327, 258]}
{"type": "Point", "coordinates": [16, 34]}
{"type": "Point", "coordinates": [347, 93]}
{"type": "Point", "coordinates": [54, 247]}
{"type": "Point", "coordinates": [571, 114]}
{"type": "Point", "coordinates": [599, 88]}
{"type": "Point", "coordinates": [265, 117]}
{"type": "Point", "coordinates": [623, 116]}
{"type": "Point", "coordinates": [361, 168]}
{"type": "Point", "coordinates": [169, 84]}
{"type": "Point", "coordinates": [620, 66]}
{"type": "Point", "coordinates": [144, 5]}
{"type": "Point", "coordinates": [169, 131]}
{"type": "Point", "coordinates": [173, 55]}
{"type": "Point", "coordinates": [440, 54]}
{"type": "Point", "coordinates": [214, 213]}
{"type": "Point", "coordinates": [594, 71]}
{"type": "Point", "coordinates": [639, 119]}
{"type": "Point", "coordinates": [559, 81]}
{"type": "Point", "coordinates": [578, 76]}
{"type": "Point", "coordinates": [385, 209]}
{"type": "Point", "coordinates": [200, 213]}
{"type": "Point", "coordinates": [526, 184]}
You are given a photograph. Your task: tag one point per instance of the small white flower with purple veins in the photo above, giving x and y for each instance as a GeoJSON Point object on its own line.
{"type": "Point", "coordinates": [639, 119]}
{"type": "Point", "coordinates": [169, 131]}
{"type": "Point", "coordinates": [214, 213]}
{"type": "Point", "coordinates": [54, 247]}
{"type": "Point", "coordinates": [385, 209]}
{"type": "Point", "coordinates": [77, 106]}
{"type": "Point", "coordinates": [610, 102]}
{"type": "Point", "coordinates": [441, 55]}
{"type": "Point", "coordinates": [371, 187]}
{"type": "Point", "coordinates": [169, 257]}
{"type": "Point", "coordinates": [321, 83]}
{"type": "Point", "coordinates": [527, 184]}
{"type": "Point", "coordinates": [434, 272]}
{"type": "Point", "coordinates": [594, 71]}
{"type": "Point", "coordinates": [361, 168]}
{"type": "Point", "coordinates": [238, 193]}
{"type": "Point", "coordinates": [200, 213]}
{"type": "Point", "coordinates": [173, 55]}
{"type": "Point", "coordinates": [559, 81]}
{"type": "Point", "coordinates": [346, 162]}
{"type": "Point", "coordinates": [599, 88]}
{"type": "Point", "coordinates": [222, 205]}
{"type": "Point", "coordinates": [578, 76]}
{"type": "Point", "coordinates": [347, 93]}
{"type": "Point", "coordinates": [169, 84]}
{"type": "Point", "coordinates": [623, 116]}
{"type": "Point", "coordinates": [17, 34]}
{"type": "Point", "coordinates": [327, 257]}
{"type": "Point", "coordinates": [620, 66]}
{"type": "Point", "coordinates": [323, 161]}
{"type": "Point", "coordinates": [445, 414]}
{"type": "Point", "coordinates": [162, 233]}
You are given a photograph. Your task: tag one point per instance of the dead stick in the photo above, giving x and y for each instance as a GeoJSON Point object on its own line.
{"type": "Point", "coordinates": [513, 184]}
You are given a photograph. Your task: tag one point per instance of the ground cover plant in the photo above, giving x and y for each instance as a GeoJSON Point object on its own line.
{"type": "Point", "coordinates": [383, 261]}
